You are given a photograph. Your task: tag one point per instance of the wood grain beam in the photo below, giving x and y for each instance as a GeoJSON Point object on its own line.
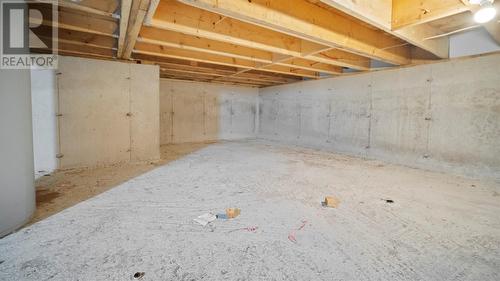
{"type": "Point", "coordinates": [82, 38]}
{"type": "Point", "coordinates": [78, 22]}
{"type": "Point", "coordinates": [378, 14]}
{"type": "Point", "coordinates": [197, 44]}
{"type": "Point", "coordinates": [409, 12]}
{"type": "Point", "coordinates": [137, 14]}
{"type": "Point", "coordinates": [78, 7]}
{"type": "Point", "coordinates": [125, 8]}
{"type": "Point", "coordinates": [208, 81]}
{"type": "Point", "coordinates": [310, 22]}
{"type": "Point", "coordinates": [162, 51]}
{"type": "Point", "coordinates": [209, 77]}
{"type": "Point", "coordinates": [216, 70]}
{"type": "Point", "coordinates": [174, 16]}
{"type": "Point", "coordinates": [76, 48]}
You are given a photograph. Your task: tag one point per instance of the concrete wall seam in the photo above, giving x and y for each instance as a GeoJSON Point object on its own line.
{"type": "Point", "coordinates": [443, 116]}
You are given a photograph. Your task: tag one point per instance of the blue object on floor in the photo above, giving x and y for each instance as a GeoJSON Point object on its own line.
{"type": "Point", "coordinates": [222, 216]}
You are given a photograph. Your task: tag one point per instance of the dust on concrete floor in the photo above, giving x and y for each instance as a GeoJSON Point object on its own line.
{"type": "Point", "coordinates": [439, 227]}
{"type": "Point", "coordinates": [66, 188]}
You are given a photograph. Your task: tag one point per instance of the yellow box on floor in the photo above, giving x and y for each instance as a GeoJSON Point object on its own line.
{"type": "Point", "coordinates": [232, 212]}
{"type": "Point", "coordinates": [332, 202]}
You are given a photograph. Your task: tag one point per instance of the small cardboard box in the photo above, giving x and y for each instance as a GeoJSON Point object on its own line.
{"type": "Point", "coordinates": [233, 212]}
{"type": "Point", "coordinates": [331, 202]}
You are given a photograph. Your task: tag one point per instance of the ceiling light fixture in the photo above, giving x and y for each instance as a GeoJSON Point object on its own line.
{"type": "Point", "coordinates": [486, 13]}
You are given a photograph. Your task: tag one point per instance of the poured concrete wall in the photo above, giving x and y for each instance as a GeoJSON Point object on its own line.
{"type": "Point", "coordinates": [44, 105]}
{"type": "Point", "coordinates": [195, 112]}
{"type": "Point", "coordinates": [443, 116]}
{"type": "Point", "coordinates": [109, 112]}
{"type": "Point", "coordinates": [17, 188]}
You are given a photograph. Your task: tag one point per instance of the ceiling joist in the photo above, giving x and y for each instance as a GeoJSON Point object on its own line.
{"type": "Point", "coordinates": [409, 12]}
{"type": "Point", "coordinates": [378, 14]}
{"type": "Point", "coordinates": [310, 22]}
{"type": "Point", "coordinates": [125, 9]}
{"type": "Point", "coordinates": [138, 12]}
{"type": "Point", "coordinates": [168, 52]}
{"type": "Point", "coordinates": [174, 16]}
{"type": "Point", "coordinates": [258, 43]}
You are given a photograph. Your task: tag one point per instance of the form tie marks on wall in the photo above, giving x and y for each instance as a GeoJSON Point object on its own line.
{"type": "Point", "coordinates": [28, 35]}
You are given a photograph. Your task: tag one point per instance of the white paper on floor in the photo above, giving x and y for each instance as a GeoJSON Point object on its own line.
{"type": "Point", "coordinates": [205, 219]}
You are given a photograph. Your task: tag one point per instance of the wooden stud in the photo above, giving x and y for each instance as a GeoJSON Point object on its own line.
{"type": "Point", "coordinates": [137, 15]}
{"type": "Point", "coordinates": [125, 8]}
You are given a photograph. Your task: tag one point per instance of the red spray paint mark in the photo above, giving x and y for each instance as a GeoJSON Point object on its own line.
{"type": "Point", "coordinates": [291, 235]}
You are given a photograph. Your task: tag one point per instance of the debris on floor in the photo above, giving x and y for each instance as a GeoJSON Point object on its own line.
{"type": "Point", "coordinates": [292, 235]}
{"type": "Point", "coordinates": [139, 275]}
{"type": "Point", "coordinates": [205, 219]}
{"type": "Point", "coordinates": [389, 201]}
{"type": "Point", "coordinates": [331, 202]}
{"type": "Point", "coordinates": [221, 216]}
{"type": "Point", "coordinates": [232, 212]}
{"type": "Point", "coordinates": [249, 229]}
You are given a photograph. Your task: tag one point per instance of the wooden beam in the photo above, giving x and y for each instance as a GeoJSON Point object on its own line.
{"type": "Point", "coordinates": [151, 12]}
{"type": "Point", "coordinates": [125, 8]}
{"type": "Point", "coordinates": [78, 7]}
{"type": "Point", "coordinates": [197, 44]}
{"type": "Point", "coordinates": [253, 77]}
{"type": "Point", "coordinates": [270, 77]}
{"type": "Point", "coordinates": [178, 40]}
{"type": "Point", "coordinates": [161, 51]}
{"type": "Point", "coordinates": [378, 13]}
{"type": "Point", "coordinates": [208, 81]}
{"type": "Point", "coordinates": [210, 77]}
{"type": "Point", "coordinates": [409, 12]}
{"type": "Point", "coordinates": [310, 22]}
{"type": "Point", "coordinates": [78, 22]}
{"type": "Point", "coordinates": [207, 78]}
{"type": "Point", "coordinates": [216, 70]}
{"type": "Point", "coordinates": [345, 59]}
{"type": "Point", "coordinates": [174, 16]}
{"type": "Point", "coordinates": [82, 38]}
{"type": "Point", "coordinates": [289, 70]}
{"type": "Point", "coordinates": [311, 65]}
{"type": "Point", "coordinates": [68, 47]}
{"type": "Point", "coordinates": [137, 15]}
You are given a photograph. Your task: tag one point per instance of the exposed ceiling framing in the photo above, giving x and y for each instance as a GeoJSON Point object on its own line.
{"type": "Point", "coordinates": [260, 43]}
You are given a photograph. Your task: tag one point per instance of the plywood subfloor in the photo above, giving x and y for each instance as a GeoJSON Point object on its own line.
{"type": "Point", "coordinates": [439, 227]}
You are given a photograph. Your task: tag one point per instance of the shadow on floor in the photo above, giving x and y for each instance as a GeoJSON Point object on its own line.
{"type": "Point", "coordinates": [66, 188]}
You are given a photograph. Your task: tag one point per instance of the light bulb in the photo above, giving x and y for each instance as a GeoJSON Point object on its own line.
{"type": "Point", "coordinates": [485, 14]}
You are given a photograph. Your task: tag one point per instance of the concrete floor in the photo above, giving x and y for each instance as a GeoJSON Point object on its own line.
{"type": "Point", "coordinates": [63, 189]}
{"type": "Point", "coordinates": [440, 227]}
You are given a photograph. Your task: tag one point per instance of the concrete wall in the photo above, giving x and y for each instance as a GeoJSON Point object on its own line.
{"type": "Point", "coordinates": [194, 112]}
{"type": "Point", "coordinates": [17, 191]}
{"type": "Point", "coordinates": [44, 104]}
{"type": "Point", "coordinates": [109, 112]}
{"type": "Point", "coordinates": [443, 116]}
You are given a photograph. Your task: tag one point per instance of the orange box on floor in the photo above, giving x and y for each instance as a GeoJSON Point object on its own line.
{"type": "Point", "coordinates": [232, 212]}
{"type": "Point", "coordinates": [332, 202]}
